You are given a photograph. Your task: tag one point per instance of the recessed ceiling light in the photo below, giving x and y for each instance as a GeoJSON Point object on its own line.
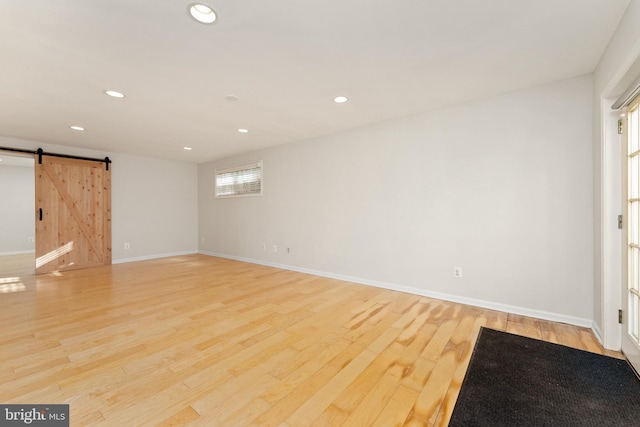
{"type": "Point", "coordinates": [202, 13]}
{"type": "Point", "coordinates": [243, 130]}
{"type": "Point", "coordinates": [114, 93]}
{"type": "Point", "coordinates": [231, 98]}
{"type": "Point", "coordinates": [188, 148]}
{"type": "Point", "coordinates": [340, 99]}
{"type": "Point", "coordinates": [76, 127]}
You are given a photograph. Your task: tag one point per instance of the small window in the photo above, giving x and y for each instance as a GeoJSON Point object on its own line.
{"type": "Point", "coordinates": [245, 180]}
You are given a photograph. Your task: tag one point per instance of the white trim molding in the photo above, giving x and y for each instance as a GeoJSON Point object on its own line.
{"type": "Point", "coordinates": [17, 253]}
{"type": "Point", "coordinates": [148, 257]}
{"type": "Point", "coordinates": [598, 332]}
{"type": "Point", "coordinates": [523, 311]}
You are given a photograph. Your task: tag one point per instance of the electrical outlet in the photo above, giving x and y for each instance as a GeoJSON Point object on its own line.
{"type": "Point", "coordinates": [127, 245]}
{"type": "Point", "coordinates": [264, 247]}
{"type": "Point", "coordinates": [287, 250]}
{"type": "Point", "coordinates": [275, 248]}
{"type": "Point", "coordinates": [31, 239]}
{"type": "Point", "coordinates": [457, 271]}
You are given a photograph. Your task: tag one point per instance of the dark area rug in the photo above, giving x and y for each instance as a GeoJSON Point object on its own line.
{"type": "Point", "coordinates": [518, 381]}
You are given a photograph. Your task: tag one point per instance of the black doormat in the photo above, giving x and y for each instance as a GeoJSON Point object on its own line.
{"type": "Point", "coordinates": [518, 381]}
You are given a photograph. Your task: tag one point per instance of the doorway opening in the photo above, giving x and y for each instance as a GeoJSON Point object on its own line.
{"type": "Point", "coordinates": [631, 261]}
{"type": "Point", "coordinates": [17, 222]}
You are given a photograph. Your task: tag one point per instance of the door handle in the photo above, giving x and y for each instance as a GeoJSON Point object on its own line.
{"type": "Point", "coordinates": [40, 214]}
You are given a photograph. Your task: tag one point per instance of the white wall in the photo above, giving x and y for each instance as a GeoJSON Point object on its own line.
{"type": "Point", "coordinates": [500, 187]}
{"type": "Point", "coordinates": [618, 67]}
{"type": "Point", "coordinates": [154, 202]}
{"type": "Point", "coordinates": [155, 207]}
{"type": "Point", "coordinates": [17, 217]}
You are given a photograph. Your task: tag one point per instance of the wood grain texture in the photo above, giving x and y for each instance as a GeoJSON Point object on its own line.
{"type": "Point", "coordinates": [75, 229]}
{"type": "Point", "coordinates": [197, 340]}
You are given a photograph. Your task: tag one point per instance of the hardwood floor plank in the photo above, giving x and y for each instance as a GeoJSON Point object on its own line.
{"type": "Point", "coordinates": [361, 385]}
{"type": "Point", "coordinates": [466, 345]}
{"type": "Point", "coordinates": [313, 407]}
{"type": "Point", "coordinates": [398, 408]}
{"type": "Point", "coordinates": [180, 418]}
{"type": "Point", "coordinates": [287, 405]}
{"type": "Point", "coordinates": [439, 341]}
{"type": "Point", "coordinates": [198, 340]}
{"type": "Point", "coordinates": [331, 417]}
{"type": "Point", "coordinates": [370, 406]}
{"type": "Point", "coordinates": [243, 416]}
{"type": "Point", "coordinates": [428, 403]}
{"type": "Point", "coordinates": [291, 381]}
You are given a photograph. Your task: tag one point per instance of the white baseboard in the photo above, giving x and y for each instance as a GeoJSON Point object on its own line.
{"type": "Point", "coordinates": [523, 311]}
{"type": "Point", "coordinates": [597, 332]}
{"type": "Point", "coordinates": [148, 257]}
{"type": "Point", "coordinates": [18, 252]}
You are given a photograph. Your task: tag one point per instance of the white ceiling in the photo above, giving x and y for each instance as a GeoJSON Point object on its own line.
{"type": "Point", "coordinates": [285, 60]}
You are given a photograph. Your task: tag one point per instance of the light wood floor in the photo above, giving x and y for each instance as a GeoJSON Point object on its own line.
{"type": "Point", "coordinates": [206, 341]}
{"type": "Point", "coordinates": [17, 265]}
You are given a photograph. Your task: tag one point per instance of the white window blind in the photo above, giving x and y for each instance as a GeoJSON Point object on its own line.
{"type": "Point", "coordinates": [245, 180]}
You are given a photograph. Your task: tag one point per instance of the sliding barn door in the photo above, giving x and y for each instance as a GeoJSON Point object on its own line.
{"type": "Point", "coordinates": [73, 214]}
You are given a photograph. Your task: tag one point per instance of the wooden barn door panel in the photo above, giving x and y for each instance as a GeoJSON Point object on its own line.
{"type": "Point", "coordinates": [73, 214]}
